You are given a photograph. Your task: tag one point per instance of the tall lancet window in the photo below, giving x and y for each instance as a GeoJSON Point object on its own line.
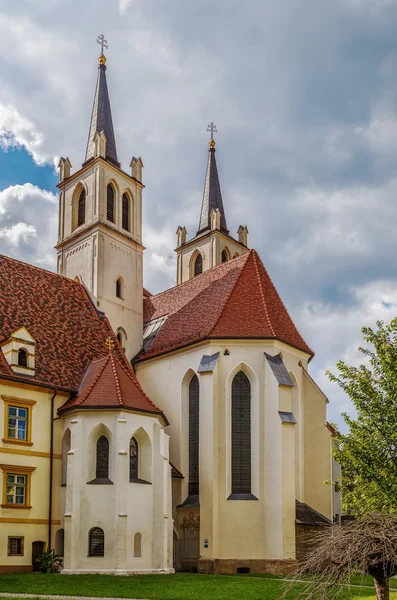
{"type": "Point", "coordinates": [102, 458]}
{"type": "Point", "coordinates": [198, 265]}
{"type": "Point", "coordinates": [125, 212]}
{"type": "Point", "coordinates": [110, 203]}
{"type": "Point", "coordinates": [134, 459]}
{"type": "Point", "coordinates": [194, 436]}
{"type": "Point", "coordinates": [81, 209]}
{"type": "Point", "coordinates": [241, 434]}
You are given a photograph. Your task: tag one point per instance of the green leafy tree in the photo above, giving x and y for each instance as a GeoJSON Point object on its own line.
{"type": "Point", "coordinates": [368, 452]}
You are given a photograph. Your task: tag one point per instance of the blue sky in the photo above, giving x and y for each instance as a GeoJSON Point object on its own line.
{"type": "Point", "coordinates": [305, 98]}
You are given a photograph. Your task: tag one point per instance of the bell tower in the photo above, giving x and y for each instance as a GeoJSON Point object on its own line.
{"type": "Point", "coordinates": [100, 223]}
{"type": "Point", "coordinates": [212, 244]}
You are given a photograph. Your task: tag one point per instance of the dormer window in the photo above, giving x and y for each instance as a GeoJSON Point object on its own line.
{"type": "Point", "coordinates": [19, 352]}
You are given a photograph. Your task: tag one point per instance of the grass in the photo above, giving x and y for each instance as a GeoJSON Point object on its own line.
{"type": "Point", "coordinates": [181, 586]}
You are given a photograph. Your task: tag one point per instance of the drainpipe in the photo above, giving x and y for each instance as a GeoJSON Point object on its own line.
{"type": "Point", "coordinates": [51, 470]}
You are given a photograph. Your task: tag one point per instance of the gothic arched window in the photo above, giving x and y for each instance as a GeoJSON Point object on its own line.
{"type": "Point", "coordinates": [96, 542]}
{"type": "Point", "coordinates": [119, 288]}
{"type": "Point", "coordinates": [194, 436]}
{"type": "Point", "coordinates": [102, 458]}
{"type": "Point", "coordinates": [110, 203]}
{"type": "Point", "coordinates": [224, 256]}
{"type": "Point", "coordinates": [198, 265]}
{"type": "Point", "coordinates": [81, 209]}
{"type": "Point", "coordinates": [137, 545]}
{"type": "Point", "coordinates": [125, 212]}
{"type": "Point", "coordinates": [241, 434]}
{"type": "Point", "coordinates": [22, 358]}
{"type": "Point", "coordinates": [134, 459]}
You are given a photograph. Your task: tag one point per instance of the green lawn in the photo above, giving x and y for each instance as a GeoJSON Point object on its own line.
{"type": "Point", "coordinates": [181, 586]}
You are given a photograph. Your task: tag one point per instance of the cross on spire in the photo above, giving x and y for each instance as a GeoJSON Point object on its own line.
{"type": "Point", "coordinates": [212, 128]}
{"type": "Point", "coordinates": [110, 344]}
{"type": "Point", "coordinates": [101, 40]}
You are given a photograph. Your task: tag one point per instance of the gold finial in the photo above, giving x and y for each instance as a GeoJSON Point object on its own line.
{"type": "Point", "coordinates": [213, 129]}
{"type": "Point", "coordinates": [104, 44]}
{"type": "Point", "coordinates": [110, 344]}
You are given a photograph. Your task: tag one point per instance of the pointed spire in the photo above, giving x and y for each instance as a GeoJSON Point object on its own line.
{"type": "Point", "coordinates": [101, 118]}
{"type": "Point", "coordinates": [212, 197]}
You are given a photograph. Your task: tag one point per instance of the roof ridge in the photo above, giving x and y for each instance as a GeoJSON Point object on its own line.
{"type": "Point", "coordinates": [179, 285]}
{"type": "Point", "coordinates": [116, 378]}
{"type": "Point", "coordinates": [41, 269]}
{"type": "Point", "coordinates": [134, 380]}
{"type": "Point", "coordinates": [226, 300]}
{"type": "Point", "coordinates": [94, 381]}
{"type": "Point", "coordinates": [255, 255]}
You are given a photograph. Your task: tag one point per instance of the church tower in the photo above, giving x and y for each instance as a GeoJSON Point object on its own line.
{"type": "Point", "coordinates": [100, 224]}
{"type": "Point", "coordinates": [212, 244]}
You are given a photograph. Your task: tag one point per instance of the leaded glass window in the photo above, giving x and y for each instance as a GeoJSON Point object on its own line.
{"type": "Point", "coordinates": [102, 458]}
{"type": "Point", "coordinates": [17, 423]}
{"type": "Point", "coordinates": [16, 489]}
{"type": "Point", "coordinates": [194, 436]}
{"type": "Point", "coordinates": [134, 460]}
{"type": "Point", "coordinates": [241, 434]}
{"type": "Point", "coordinates": [96, 543]}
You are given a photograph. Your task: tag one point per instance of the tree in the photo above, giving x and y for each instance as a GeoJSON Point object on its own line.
{"type": "Point", "coordinates": [367, 545]}
{"type": "Point", "coordinates": [368, 452]}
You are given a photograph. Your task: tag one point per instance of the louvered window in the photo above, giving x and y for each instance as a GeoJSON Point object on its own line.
{"type": "Point", "coordinates": [194, 436]}
{"type": "Point", "coordinates": [110, 203]}
{"type": "Point", "coordinates": [22, 358]}
{"type": "Point", "coordinates": [102, 458]}
{"type": "Point", "coordinates": [241, 434]}
{"type": "Point", "coordinates": [198, 265]}
{"type": "Point", "coordinates": [125, 212]}
{"type": "Point", "coordinates": [134, 460]}
{"type": "Point", "coordinates": [81, 209]}
{"type": "Point", "coordinates": [96, 543]}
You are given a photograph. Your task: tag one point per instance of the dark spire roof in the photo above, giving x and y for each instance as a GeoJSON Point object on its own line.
{"type": "Point", "coordinates": [212, 197]}
{"type": "Point", "coordinates": [101, 118]}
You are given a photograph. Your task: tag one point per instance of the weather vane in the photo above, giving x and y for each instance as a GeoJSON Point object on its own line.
{"type": "Point", "coordinates": [213, 129]}
{"type": "Point", "coordinates": [101, 40]}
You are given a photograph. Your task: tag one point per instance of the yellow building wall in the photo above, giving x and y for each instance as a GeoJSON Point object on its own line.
{"type": "Point", "coordinates": [31, 523]}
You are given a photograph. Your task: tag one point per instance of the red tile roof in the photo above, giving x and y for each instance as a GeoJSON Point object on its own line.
{"type": "Point", "coordinates": [234, 300]}
{"type": "Point", "coordinates": [107, 383]}
{"type": "Point", "coordinates": [70, 332]}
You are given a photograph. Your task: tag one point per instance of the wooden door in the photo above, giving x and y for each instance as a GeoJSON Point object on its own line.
{"type": "Point", "coordinates": [37, 550]}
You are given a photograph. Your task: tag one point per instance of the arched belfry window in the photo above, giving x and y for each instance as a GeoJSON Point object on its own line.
{"type": "Point", "coordinates": [134, 459]}
{"type": "Point", "coordinates": [96, 542]}
{"type": "Point", "coordinates": [22, 358]}
{"type": "Point", "coordinates": [81, 209]}
{"type": "Point", "coordinates": [102, 458]}
{"type": "Point", "coordinates": [110, 203]}
{"type": "Point", "coordinates": [241, 434]}
{"type": "Point", "coordinates": [119, 288]}
{"type": "Point", "coordinates": [198, 265]}
{"type": "Point", "coordinates": [194, 436]}
{"type": "Point", "coordinates": [125, 212]}
{"type": "Point", "coordinates": [224, 256]}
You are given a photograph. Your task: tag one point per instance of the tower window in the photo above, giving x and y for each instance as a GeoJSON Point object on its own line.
{"type": "Point", "coordinates": [224, 256]}
{"type": "Point", "coordinates": [102, 458]}
{"type": "Point", "coordinates": [81, 209]}
{"type": "Point", "coordinates": [22, 358]}
{"type": "Point", "coordinates": [241, 434]}
{"type": "Point", "coordinates": [198, 265]}
{"type": "Point", "coordinates": [125, 210]}
{"type": "Point", "coordinates": [119, 337]}
{"type": "Point", "coordinates": [110, 203]}
{"type": "Point", "coordinates": [119, 288]}
{"type": "Point", "coordinates": [194, 435]}
{"type": "Point", "coordinates": [134, 460]}
{"type": "Point", "coordinates": [96, 542]}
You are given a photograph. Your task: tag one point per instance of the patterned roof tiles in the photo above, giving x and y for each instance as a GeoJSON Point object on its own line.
{"type": "Point", "coordinates": [234, 300]}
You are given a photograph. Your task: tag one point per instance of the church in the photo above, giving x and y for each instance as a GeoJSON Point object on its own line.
{"type": "Point", "coordinates": [152, 433]}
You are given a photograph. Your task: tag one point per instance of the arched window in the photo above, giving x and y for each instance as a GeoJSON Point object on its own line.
{"type": "Point", "coordinates": [102, 458]}
{"type": "Point", "coordinates": [224, 256]}
{"type": "Point", "coordinates": [194, 434]}
{"type": "Point", "coordinates": [119, 287]}
{"type": "Point", "coordinates": [96, 542]}
{"type": "Point", "coordinates": [198, 265]}
{"type": "Point", "coordinates": [137, 545]}
{"type": "Point", "coordinates": [125, 212]}
{"type": "Point", "coordinates": [81, 209]}
{"type": "Point", "coordinates": [65, 450]}
{"type": "Point", "coordinates": [119, 337]}
{"type": "Point", "coordinates": [110, 203]}
{"type": "Point", "coordinates": [134, 459]}
{"type": "Point", "coordinates": [22, 358]}
{"type": "Point", "coordinates": [241, 434]}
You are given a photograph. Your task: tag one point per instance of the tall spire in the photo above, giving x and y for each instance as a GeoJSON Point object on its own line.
{"type": "Point", "coordinates": [212, 197]}
{"type": "Point", "coordinates": [101, 118]}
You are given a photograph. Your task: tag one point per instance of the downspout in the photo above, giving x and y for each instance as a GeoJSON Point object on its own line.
{"type": "Point", "coordinates": [51, 470]}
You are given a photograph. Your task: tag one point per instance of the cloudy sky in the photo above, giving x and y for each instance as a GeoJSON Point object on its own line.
{"type": "Point", "coordinates": [304, 93]}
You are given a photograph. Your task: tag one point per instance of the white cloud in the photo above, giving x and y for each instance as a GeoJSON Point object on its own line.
{"type": "Point", "coordinates": [20, 232]}
{"type": "Point", "coordinates": [17, 131]}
